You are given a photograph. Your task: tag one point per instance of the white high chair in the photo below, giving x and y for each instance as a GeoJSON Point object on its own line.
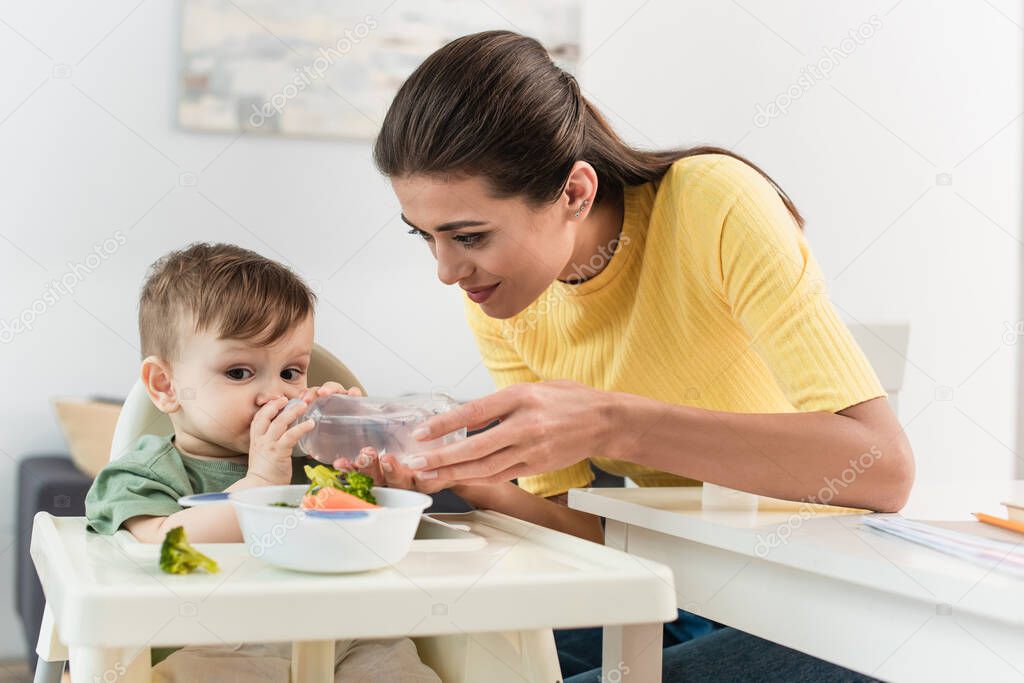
{"type": "Point", "coordinates": [497, 657]}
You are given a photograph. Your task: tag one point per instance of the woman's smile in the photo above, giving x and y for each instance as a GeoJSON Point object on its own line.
{"type": "Point", "coordinates": [480, 294]}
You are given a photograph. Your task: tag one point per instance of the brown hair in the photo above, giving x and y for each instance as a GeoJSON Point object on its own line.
{"type": "Point", "coordinates": [493, 104]}
{"type": "Point", "coordinates": [224, 287]}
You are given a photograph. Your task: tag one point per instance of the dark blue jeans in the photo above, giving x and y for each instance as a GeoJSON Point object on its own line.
{"type": "Point", "coordinates": [726, 655]}
{"type": "Point", "coordinates": [579, 649]}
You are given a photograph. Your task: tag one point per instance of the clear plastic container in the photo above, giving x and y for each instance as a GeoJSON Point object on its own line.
{"type": "Point", "coordinates": [346, 424]}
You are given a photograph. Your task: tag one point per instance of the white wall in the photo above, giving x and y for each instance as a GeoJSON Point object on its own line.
{"type": "Point", "coordinates": [935, 90]}
{"type": "Point", "coordinates": [97, 152]}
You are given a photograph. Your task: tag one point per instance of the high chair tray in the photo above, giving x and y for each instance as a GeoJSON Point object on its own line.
{"type": "Point", "coordinates": [434, 534]}
{"type": "Point", "coordinates": [524, 577]}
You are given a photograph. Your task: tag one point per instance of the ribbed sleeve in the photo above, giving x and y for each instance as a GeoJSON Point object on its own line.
{"type": "Point", "coordinates": [777, 293]}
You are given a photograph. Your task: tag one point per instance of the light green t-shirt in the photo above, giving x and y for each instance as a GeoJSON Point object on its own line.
{"type": "Point", "coordinates": [151, 477]}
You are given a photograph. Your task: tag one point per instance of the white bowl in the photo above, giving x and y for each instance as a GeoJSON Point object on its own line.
{"type": "Point", "coordinates": [323, 541]}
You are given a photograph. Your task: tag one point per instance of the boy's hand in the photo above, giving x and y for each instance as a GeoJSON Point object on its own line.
{"type": "Point", "coordinates": [271, 440]}
{"type": "Point", "coordinates": [385, 470]}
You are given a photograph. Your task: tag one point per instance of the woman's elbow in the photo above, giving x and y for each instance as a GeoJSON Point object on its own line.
{"type": "Point", "coordinates": [897, 477]}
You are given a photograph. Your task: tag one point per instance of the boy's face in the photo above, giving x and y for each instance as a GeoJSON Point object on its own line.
{"type": "Point", "coordinates": [221, 383]}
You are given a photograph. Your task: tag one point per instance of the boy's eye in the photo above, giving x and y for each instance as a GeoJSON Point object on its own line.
{"type": "Point", "coordinates": [291, 374]}
{"type": "Point", "coordinates": [239, 373]}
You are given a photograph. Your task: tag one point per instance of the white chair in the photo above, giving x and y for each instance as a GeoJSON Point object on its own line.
{"type": "Point", "coordinates": [886, 349]}
{"type": "Point", "coordinates": [497, 657]}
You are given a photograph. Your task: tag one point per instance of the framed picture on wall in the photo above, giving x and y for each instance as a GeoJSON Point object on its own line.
{"type": "Point", "coordinates": [320, 68]}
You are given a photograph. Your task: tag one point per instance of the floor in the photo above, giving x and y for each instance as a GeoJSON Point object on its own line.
{"type": "Point", "coordinates": [17, 671]}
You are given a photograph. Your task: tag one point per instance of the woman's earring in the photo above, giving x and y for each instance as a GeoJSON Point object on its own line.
{"type": "Point", "coordinates": [583, 205]}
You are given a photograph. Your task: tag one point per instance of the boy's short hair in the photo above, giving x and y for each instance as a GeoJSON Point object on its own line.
{"type": "Point", "coordinates": [220, 287]}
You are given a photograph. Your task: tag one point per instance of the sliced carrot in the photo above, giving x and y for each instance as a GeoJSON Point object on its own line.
{"type": "Point", "coordinates": [334, 499]}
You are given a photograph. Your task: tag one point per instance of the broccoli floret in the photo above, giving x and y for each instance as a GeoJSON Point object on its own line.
{"type": "Point", "coordinates": [178, 557]}
{"type": "Point", "coordinates": [360, 486]}
{"type": "Point", "coordinates": [356, 483]}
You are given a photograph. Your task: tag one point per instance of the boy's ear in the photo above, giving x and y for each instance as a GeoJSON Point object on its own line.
{"type": "Point", "coordinates": [156, 377]}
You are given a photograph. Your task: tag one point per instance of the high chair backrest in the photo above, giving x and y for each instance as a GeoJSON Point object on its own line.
{"type": "Point", "coordinates": [139, 416]}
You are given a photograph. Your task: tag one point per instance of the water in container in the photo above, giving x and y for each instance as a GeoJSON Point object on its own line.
{"type": "Point", "coordinates": [346, 424]}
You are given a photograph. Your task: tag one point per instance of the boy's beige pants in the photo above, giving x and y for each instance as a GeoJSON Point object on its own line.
{"type": "Point", "coordinates": [355, 660]}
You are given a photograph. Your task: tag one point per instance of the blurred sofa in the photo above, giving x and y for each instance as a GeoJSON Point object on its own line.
{"type": "Point", "coordinates": [47, 482]}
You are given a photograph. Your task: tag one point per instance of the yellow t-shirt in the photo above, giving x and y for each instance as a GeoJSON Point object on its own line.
{"type": "Point", "coordinates": [711, 299]}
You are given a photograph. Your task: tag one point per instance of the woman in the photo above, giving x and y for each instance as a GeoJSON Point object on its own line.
{"type": "Point", "coordinates": [657, 314]}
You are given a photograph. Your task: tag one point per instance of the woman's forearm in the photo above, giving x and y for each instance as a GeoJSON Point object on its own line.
{"type": "Point", "coordinates": [509, 499]}
{"type": "Point", "coordinates": [859, 457]}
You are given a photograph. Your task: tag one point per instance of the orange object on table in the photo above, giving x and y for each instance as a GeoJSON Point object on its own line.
{"type": "Point", "coordinates": [1000, 522]}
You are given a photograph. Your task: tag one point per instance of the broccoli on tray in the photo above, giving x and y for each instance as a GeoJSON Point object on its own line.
{"type": "Point", "coordinates": [178, 557]}
{"type": "Point", "coordinates": [355, 483]}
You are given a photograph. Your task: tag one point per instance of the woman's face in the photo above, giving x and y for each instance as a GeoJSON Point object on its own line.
{"type": "Point", "coordinates": [503, 252]}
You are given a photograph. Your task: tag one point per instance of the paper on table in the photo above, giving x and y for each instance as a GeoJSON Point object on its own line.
{"type": "Point", "coordinates": [1005, 555]}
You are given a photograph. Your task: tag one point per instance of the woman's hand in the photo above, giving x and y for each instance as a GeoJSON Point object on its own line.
{"type": "Point", "coordinates": [326, 389]}
{"type": "Point", "coordinates": [544, 426]}
{"type": "Point", "coordinates": [385, 470]}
